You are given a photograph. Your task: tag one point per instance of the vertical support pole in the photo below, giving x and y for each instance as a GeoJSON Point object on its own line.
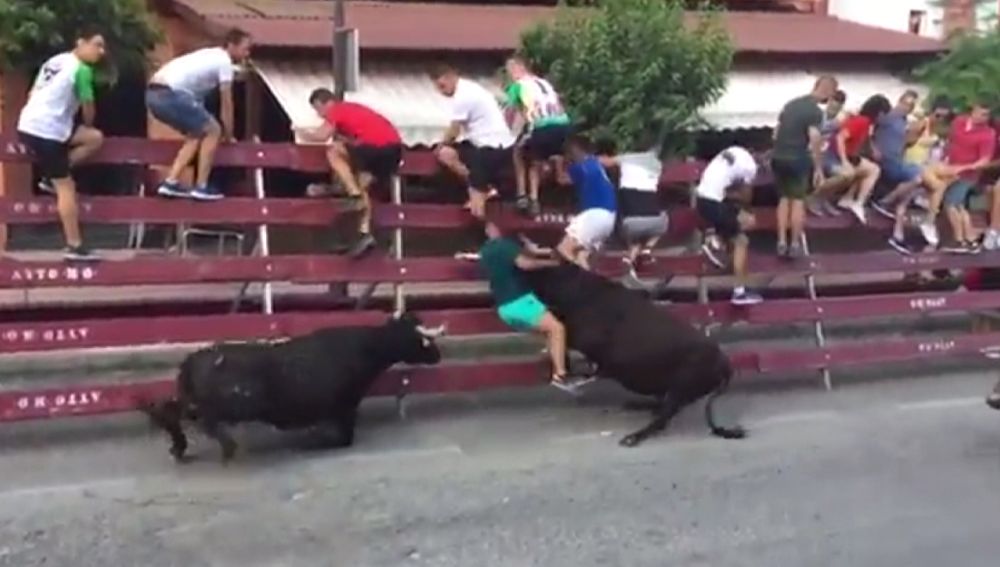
{"type": "Point", "coordinates": [263, 236]}
{"type": "Point", "coordinates": [339, 54]}
{"type": "Point", "coordinates": [818, 331]}
{"type": "Point", "coordinates": [398, 290]}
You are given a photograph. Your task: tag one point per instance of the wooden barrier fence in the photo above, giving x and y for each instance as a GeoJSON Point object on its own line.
{"type": "Point", "coordinates": [394, 268]}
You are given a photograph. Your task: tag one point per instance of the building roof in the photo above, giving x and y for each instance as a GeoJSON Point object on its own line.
{"type": "Point", "coordinates": [451, 27]}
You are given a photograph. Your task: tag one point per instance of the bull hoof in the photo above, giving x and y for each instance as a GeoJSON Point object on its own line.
{"type": "Point", "coordinates": [993, 401]}
{"type": "Point", "coordinates": [630, 441]}
{"type": "Point", "coordinates": [179, 456]}
{"type": "Point", "coordinates": [228, 452]}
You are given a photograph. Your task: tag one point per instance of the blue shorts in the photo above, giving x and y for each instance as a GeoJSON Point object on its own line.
{"type": "Point", "coordinates": [832, 164]}
{"type": "Point", "coordinates": [895, 172]}
{"type": "Point", "coordinates": [523, 313]}
{"type": "Point", "coordinates": [178, 109]}
{"type": "Point", "coordinates": [957, 194]}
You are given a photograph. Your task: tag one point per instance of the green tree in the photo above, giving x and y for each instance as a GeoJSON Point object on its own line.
{"type": "Point", "coordinates": [633, 70]}
{"type": "Point", "coordinates": [33, 30]}
{"type": "Point", "coordinates": [968, 73]}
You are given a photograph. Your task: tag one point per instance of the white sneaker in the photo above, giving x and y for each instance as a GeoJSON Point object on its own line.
{"type": "Point", "coordinates": [845, 203]}
{"type": "Point", "coordinates": [991, 240]}
{"type": "Point", "coordinates": [928, 229]}
{"type": "Point", "coordinates": [858, 210]}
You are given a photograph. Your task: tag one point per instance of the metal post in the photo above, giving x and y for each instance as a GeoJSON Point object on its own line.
{"type": "Point", "coordinates": [263, 236]}
{"type": "Point", "coordinates": [339, 50]}
{"type": "Point", "coordinates": [399, 295]}
{"type": "Point", "coordinates": [818, 331]}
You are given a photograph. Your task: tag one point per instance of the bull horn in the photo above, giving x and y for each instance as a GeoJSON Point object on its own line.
{"type": "Point", "coordinates": [431, 333]}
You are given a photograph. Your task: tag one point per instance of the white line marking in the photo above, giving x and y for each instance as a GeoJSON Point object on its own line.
{"type": "Point", "coordinates": [948, 403]}
{"type": "Point", "coordinates": [379, 454]}
{"type": "Point", "coordinates": [70, 487]}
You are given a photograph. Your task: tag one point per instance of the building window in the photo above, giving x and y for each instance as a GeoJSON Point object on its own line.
{"type": "Point", "coordinates": [916, 21]}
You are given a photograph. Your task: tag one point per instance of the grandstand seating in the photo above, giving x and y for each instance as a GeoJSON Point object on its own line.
{"type": "Point", "coordinates": [56, 333]}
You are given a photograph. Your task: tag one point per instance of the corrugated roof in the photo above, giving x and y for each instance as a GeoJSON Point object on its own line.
{"type": "Point", "coordinates": [451, 27]}
{"type": "Point", "coordinates": [401, 92]}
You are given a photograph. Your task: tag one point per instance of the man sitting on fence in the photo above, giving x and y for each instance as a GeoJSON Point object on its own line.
{"type": "Point", "coordinates": [176, 96]}
{"type": "Point", "coordinates": [503, 258]}
{"type": "Point", "coordinates": [486, 153]}
{"type": "Point", "coordinates": [548, 126]}
{"type": "Point", "coordinates": [730, 173]}
{"type": "Point", "coordinates": [970, 148]}
{"type": "Point", "coordinates": [65, 84]}
{"type": "Point", "coordinates": [596, 201]}
{"type": "Point", "coordinates": [366, 149]}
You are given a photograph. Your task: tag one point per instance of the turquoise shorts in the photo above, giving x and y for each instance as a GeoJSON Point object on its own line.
{"type": "Point", "coordinates": [524, 313]}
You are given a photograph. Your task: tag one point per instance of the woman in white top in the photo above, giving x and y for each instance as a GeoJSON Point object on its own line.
{"type": "Point", "coordinates": [643, 221]}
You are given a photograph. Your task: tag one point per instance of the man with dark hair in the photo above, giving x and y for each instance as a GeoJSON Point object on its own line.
{"type": "Point", "coordinates": [595, 199]}
{"type": "Point", "coordinates": [797, 161]}
{"type": "Point", "coordinates": [729, 174]}
{"type": "Point", "coordinates": [64, 85]}
{"type": "Point", "coordinates": [503, 259]}
{"type": "Point", "coordinates": [970, 148]}
{"type": "Point", "coordinates": [176, 97]}
{"type": "Point", "coordinates": [548, 126]}
{"type": "Point", "coordinates": [366, 149]}
{"type": "Point", "coordinates": [486, 152]}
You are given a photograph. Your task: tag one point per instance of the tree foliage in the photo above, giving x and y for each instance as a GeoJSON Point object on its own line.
{"type": "Point", "coordinates": [633, 70]}
{"type": "Point", "coordinates": [33, 30]}
{"type": "Point", "coordinates": [969, 73]}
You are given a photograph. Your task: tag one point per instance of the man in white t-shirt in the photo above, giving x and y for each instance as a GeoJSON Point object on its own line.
{"type": "Point", "coordinates": [730, 174]}
{"type": "Point", "coordinates": [485, 154]}
{"type": "Point", "coordinates": [63, 86]}
{"type": "Point", "coordinates": [176, 97]}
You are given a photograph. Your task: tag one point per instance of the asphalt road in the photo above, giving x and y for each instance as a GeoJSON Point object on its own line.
{"type": "Point", "coordinates": [897, 473]}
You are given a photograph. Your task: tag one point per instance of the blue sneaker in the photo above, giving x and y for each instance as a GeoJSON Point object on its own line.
{"type": "Point", "coordinates": [172, 189]}
{"type": "Point", "coordinates": [206, 193]}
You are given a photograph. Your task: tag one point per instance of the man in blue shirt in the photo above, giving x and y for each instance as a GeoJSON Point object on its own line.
{"type": "Point", "coordinates": [595, 195]}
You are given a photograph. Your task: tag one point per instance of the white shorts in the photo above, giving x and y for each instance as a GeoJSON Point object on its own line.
{"type": "Point", "coordinates": [591, 228]}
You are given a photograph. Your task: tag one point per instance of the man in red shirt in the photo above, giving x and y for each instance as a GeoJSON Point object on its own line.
{"type": "Point", "coordinates": [366, 149]}
{"type": "Point", "coordinates": [971, 145]}
{"type": "Point", "coordinates": [845, 167]}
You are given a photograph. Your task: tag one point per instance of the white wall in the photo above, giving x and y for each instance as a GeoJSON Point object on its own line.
{"type": "Point", "coordinates": [889, 14]}
{"type": "Point", "coordinates": [895, 14]}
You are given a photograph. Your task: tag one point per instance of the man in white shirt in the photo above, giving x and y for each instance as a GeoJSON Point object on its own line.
{"type": "Point", "coordinates": [63, 86]}
{"type": "Point", "coordinates": [176, 97]}
{"type": "Point", "coordinates": [730, 173]}
{"type": "Point", "coordinates": [486, 152]}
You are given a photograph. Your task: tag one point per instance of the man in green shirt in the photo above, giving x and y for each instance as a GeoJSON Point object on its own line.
{"type": "Point", "coordinates": [503, 259]}
{"type": "Point", "coordinates": [547, 127]}
{"type": "Point", "coordinates": [797, 161]}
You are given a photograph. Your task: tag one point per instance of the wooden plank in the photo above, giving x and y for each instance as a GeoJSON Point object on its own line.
{"type": "Point", "coordinates": [93, 333]}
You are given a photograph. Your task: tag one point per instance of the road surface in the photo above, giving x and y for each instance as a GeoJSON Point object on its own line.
{"type": "Point", "coordinates": [877, 474]}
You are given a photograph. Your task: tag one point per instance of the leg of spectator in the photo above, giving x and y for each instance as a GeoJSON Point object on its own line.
{"type": "Point", "coordinates": [798, 221]}
{"type": "Point", "coordinates": [477, 202]}
{"type": "Point", "coordinates": [954, 215]}
{"type": "Point", "coordinates": [534, 179]}
{"type": "Point", "coordinates": [365, 181]}
{"type": "Point", "coordinates": [521, 171]}
{"type": "Point", "coordinates": [340, 163]}
{"type": "Point", "coordinates": [84, 143]}
{"type": "Point", "coordinates": [555, 337]}
{"type": "Point", "coordinates": [68, 213]}
{"type": "Point", "coordinates": [570, 249]}
{"type": "Point", "coordinates": [995, 206]}
{"type": "Point", "coordinates": [558, 164]}
{"type": "Point", "coordinates": [187, 152]}
{"type": "Point", "coordinates": [741, 245]}
{"type": "Point", "coordinates": [868, 172]}
{"type": "Point", "coordinates": [449, 158]}
{"type": "Point", "coordinates": [206, 152]}
{"type": "Point", "coordinates": [784, 215]}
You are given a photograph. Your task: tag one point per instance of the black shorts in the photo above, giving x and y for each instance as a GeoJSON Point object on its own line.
{"type": "Point", "coordinates": [382, 162]}
{"type": "Point", "coordinates": [51, 157]}
{"type": "Point", "coordinates": [543, 143]}
{"type": "Point", "coordinates": [723, 216]}
{"type": "Point", "coordinates": [487, 165]}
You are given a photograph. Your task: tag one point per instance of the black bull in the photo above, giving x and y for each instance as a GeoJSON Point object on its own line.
{"type": "Point", "coordinates": [636, 343]}
{"type": "Point", "coordinates": [315, 380]}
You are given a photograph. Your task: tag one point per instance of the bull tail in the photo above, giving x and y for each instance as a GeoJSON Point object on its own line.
{"type": "Point", "coordinates": [735, 432]}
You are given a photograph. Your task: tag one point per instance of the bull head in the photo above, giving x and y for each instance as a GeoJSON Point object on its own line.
{"type": "Point", "coordinates": [433, 332]}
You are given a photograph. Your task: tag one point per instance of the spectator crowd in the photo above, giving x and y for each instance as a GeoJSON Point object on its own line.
{"type": "Point", "coordinates": [886, 158]}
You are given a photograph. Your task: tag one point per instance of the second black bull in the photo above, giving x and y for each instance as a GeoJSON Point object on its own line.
{"type": "Point", "coordinates": [639, 345]}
